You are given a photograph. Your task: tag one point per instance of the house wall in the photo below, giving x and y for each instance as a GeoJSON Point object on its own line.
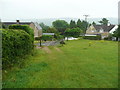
{"type": "Point", "coordinates": [35, 29]}
{"type": "Point", "coordinates": [91, 30]}
{"type": "Point", "coordinates": [40, 33]}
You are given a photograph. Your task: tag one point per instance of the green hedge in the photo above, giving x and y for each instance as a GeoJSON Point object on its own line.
{"type": "Point", "coordinates": [98, 37]}
{"type": "Point", "coordinates": [59, 37]}
{"type": "Point", "coordinates": [45, 37]}
{"type": "Point", "coordinates": [74, 32]}
{"type": "Point", "coordinates": [37, 38]}
{"type": "Point", "coordinates": [15, 44]}
{"type": "Point", "coordinates": [25, 28]}
{"type": "Point", "coordinates": [108, 38]}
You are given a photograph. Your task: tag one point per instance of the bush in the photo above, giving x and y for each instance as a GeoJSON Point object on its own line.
{"type": "Point", "coordinates": [98, 37]}
{"type": "Point", "coordinates": [106, 38]}
{"type": "Point", "coordinates": [109, 37]}
{"type": "Point", "coordinates": [37, 38]}
{"type": "Point", "coordinates": [58, 37]}
{"type": "Point", "coordinates": [15, 44]}
{"type": "Point", "coordinates": [25, 28]}
{"type": "Point", "coordinates": [47, 37]}
{"type": "Point", "coordinates": [74, 32]}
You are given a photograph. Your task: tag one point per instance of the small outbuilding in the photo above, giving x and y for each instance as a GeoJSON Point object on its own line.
{"type": "Point", "coordinates": [52, 34]}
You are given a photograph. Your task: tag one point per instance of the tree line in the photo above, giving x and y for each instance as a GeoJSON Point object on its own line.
{"type": "Point", "coordinates": [61, 27]}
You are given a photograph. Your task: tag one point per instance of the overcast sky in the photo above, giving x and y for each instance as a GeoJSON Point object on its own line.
{"type": "Point", "coordinates": [40, 9]}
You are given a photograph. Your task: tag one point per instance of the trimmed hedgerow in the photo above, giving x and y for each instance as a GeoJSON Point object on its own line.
{"type": "Point", "coordinates": [59, 37]}
{"type": "Point", "coordinates": [25, 28]}
{"type": "Point", "coordinates": [37, 38]}
{"type": "Point", "coordinates": [47, 37]}
{"type": "Point", "coordinates": [15, 44]}
{"type": "Point", "coordinates": [98, 37]}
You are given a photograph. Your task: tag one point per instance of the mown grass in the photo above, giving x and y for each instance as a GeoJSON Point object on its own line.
{"type": "Point", "coordinates": [75, 65]}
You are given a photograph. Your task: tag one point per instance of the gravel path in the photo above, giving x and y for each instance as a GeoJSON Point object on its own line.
{"type": "Point", "coordinates": [49, 43]}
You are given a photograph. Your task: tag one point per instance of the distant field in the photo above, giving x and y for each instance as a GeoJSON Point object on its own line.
{"type": "Point", "coordinates": [75, 65]}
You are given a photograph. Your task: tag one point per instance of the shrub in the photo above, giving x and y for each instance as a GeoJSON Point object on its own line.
{"type": "Point", "coordinates": [58, 37]}
{"type": "Point", "coordinates": [74, 32]}
{"type": "Point", "coordinates": [98, 37]}
{"type": "Point", "coordinates": [25, 28]}
{"type": "Point", "coordinates": [15, 44]}
{"type": "Point", "coordinates": [47, 37]}
{"type": "Point", "coordinates": [106, 38]}
{"type": "Point", "coordinates": [37, 38]}
{"type": "Point", "coordinates": [109, 37]}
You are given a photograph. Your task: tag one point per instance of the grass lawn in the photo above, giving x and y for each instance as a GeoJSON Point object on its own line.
{"type": "Point", "coordinates": [75, 65]}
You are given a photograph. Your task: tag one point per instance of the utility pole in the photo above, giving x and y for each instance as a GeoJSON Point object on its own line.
{"type": "Point", "coordinates": [86, 16]}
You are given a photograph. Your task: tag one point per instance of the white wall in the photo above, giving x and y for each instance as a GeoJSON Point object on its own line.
{"type": "Point", "coordinates": [114, 29]}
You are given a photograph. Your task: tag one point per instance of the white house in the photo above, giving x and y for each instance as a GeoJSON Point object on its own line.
{"type": "Point", "coordinates": [103, 30]}
{"type": "Point", "coordinates": [113, 29]}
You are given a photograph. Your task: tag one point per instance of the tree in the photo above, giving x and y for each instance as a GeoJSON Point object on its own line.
{"type": "Point", "coordinates": [74, 32]}
{"type": "Point", "coordinates": [60, 25]}
{"type": "Point", "coordinates": [93, 23]}
{"type": "Point", "coordinates": [84, 26]}
{"type": "Point", "coordinates": [79, 23]}
{"type": "Point", "coordinates": [104, 21]}
{"type": "Point", "coordinates": [72, 24]}
{"type": "Point", "coordinates": [44, 27]}
{"type": "Point", "coordinates": [51, 30]}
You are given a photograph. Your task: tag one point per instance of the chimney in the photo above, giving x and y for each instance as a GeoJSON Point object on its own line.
{"type": "Point", "coordinates": [109, 24]}
{"type": "Point", "coordinates": [18, 21]}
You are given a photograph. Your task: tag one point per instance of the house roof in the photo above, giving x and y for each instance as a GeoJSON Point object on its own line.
{"type": "Point", "coordinates": [114, 29]}
{"type": "Point", "coordinates": [37, 26]}
{"type": "Point", "coordinates": [21, 23]}
{"type": "Point", "coordinates": [106, 28]}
